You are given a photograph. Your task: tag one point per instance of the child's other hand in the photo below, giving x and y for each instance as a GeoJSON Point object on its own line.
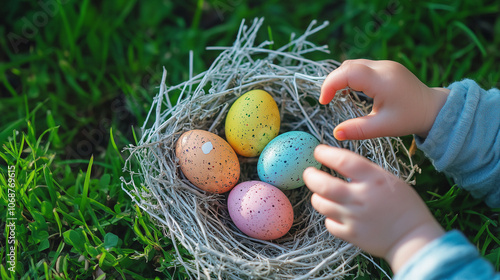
{"type": "Point", "coordinates": [402, 105]}
{"type": "Point", "coordinates": [375, 210]}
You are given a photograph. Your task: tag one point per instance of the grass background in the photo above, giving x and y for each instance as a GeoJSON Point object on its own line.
{"type": "Point", "coordinates": [77, 79]}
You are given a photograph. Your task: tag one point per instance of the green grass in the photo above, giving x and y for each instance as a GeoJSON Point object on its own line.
{"type": "Point", "coordinates": [77, 79]}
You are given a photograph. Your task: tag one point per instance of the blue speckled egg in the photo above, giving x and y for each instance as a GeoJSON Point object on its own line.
{"type": "Point", "coordinates": [285, 158]}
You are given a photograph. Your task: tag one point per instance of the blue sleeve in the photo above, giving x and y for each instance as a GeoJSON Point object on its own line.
{"type": "Point", "coordinates": [464, 141]}
{"type": "Point", "coordinates": [451, 256]}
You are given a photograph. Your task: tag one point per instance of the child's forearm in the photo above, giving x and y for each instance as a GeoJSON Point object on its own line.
{"type": "Point", "coordinates": [451, 256]}
{"type": "Point", "coordinates": [464, 142]}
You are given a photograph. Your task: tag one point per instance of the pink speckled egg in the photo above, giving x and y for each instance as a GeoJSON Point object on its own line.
{"type": "Point", "coordinates": [207, 161]}
{"type": "Point", "coordinates": [260, 210]}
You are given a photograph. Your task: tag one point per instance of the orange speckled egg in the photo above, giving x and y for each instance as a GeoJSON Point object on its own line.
{"type": "Point", "coordinates": [252, 121]}
{"type": "Point", "coordinates": [207, 161]}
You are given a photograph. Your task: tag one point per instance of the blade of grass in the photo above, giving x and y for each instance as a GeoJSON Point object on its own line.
{"type": "Point", "coordinates": [54, 136]}
{"type": "Point", "coordinates": [46, 270]}
{"type": "Point", "coordinates": [95, 222]}
{"type": "Point", "coordinates": [471, 34]}
{"type": "Point", "coordinates": [21, 145]}
{"type": "Point", "coordinates": [134, 135]}
{"type": "Point", "coordinates": [102, 206]}
{"type": "Point", "coordinates": [9, 87]}
{"type": "Point", "coordinates": [437, 6]}
{"type": "Point", "coordinates": [50, 184]}
{"type": "Point", "coordinates": [5, 275]}
{"type": "Point", "coordinates": [58, 221]}
{"type": "Point", "coordinates": [270, 34]}
{"type": "Point", "coordinates": [81, 18]}
{"type": "Point", "coordinates": [68, 29]}
{"type": "Point", "coordinates": [113, 143]}
{"type": "Point", "coordinates": [86, 226]}
{"type": "Point", "coordinates": [449, 223]}
{"type": "Point", "coordinates": [495, 238]}
{"type": "Point", "coordinates": [484, 217]}
{"type": "Point", "coordinates": [48, 142]}
{"type": "Point", "coordinates": [31, 114]}
{"type": "Point", "coordinates": [125, 11]}
{"type": "Point", "coordinates": [69, 218]}
{"type": "Point", "coordinates": [459, 53]}
{"type": "Point", "coordinates": [9, 128]}
{"type": "Point", "coordinates": [197, 15]}
{"type": "Point", "coordinates": [485, 246]}
{"type": "Point", "coordinates": [86, 185]}
{"type": "Point", "coordinates": [480, 232]}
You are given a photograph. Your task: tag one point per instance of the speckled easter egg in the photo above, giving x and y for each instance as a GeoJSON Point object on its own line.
{"type": "Point", "coordinates": [285, 158]}
{"type": "Point", "coordinates": [252, 121]}
{"type": "Point", "coordinates": [207, 161]}
{"type": "Point", "coordinates": [260, 210]}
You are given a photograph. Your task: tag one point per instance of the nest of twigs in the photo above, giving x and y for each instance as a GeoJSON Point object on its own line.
{"type": "Point", "coordinates": [199, 221]}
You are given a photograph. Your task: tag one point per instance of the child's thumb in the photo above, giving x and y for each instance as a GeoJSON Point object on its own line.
{"type": "Point", "coordinates": [366, 127]}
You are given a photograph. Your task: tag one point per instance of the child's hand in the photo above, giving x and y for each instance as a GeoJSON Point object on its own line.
{"type": "Point", "coordinates": [402, 104]}
{"type": "Point", "coordinates": [375, 210]}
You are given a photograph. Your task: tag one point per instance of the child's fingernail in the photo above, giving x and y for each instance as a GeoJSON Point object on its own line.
{"type": "Point", "coordinates": [307, 170]}
{"type": "Point", "coordinates": [340, 135]}
{"type": "Point", "coordinates": [320, 148]}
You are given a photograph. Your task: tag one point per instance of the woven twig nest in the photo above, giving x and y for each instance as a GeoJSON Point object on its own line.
{"type": "Point", "coordinates": [199, 221]}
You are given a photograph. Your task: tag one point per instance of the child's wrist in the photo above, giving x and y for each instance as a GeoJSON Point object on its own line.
{"type": "Point", "coordinates": [401, 252]}
{"type": "Point", "coordinates": [437, 99]}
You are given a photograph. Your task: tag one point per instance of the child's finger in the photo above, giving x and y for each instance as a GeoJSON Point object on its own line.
{"type": "Point", "coordinates": [347, 163]}
{"type": "Point", "coordinates": [356, 74]}
{"type": "Point", "coordinates": [356, 129]}
{"type": "Point", "coordinates": [370, 126]}
{"type": "Point", "coordinates": [329, 208]}
{"type": "Point", "coordinates": [340, 230]}
{"type": "Point", "coordinates": [326, 185]}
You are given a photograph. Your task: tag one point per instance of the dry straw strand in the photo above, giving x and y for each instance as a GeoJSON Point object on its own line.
{"type": "Point", "coordinates": [199, 221]}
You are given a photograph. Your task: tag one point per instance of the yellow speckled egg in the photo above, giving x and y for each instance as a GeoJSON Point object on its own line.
{"type": "Point", "coordinates": [252, 121]}
{"type": "Point", "coordinates": [207, 161]}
